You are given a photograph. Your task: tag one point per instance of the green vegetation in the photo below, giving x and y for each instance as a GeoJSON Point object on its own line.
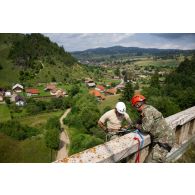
{"type": "Point", "coordinates": [31, 150]}
{"type": "Point", "coordinates": [17, 131]}
{"type": "Point", "coordinates": [178, 92]}
{"type": "Point", "coordinates": [4, 113]}
{"type": "Point", "coordinates": [39, 120]}
{"type": "Point", "coordinates": [52, 138]}
{"type": "Point", "coordinates": [82, 122]}
{"type": "Point", "coordinates": [110, 102]}
{"type": "Point", "coordinates": [33, 58]}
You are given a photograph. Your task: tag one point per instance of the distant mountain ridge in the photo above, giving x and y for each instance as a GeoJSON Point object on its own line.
{"type": "Point", "coordinates": [120, 50]}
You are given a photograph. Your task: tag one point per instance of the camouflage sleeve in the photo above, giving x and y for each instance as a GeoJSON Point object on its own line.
{"type": "Point", "coordinates": [147, 121]}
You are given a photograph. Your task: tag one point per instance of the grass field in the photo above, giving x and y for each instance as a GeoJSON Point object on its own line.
{"type": "Point", "coordinates": [109, 101]}
{"type": "Point", "coordinates": [40, 119]}
{"type": "Point", "coordinates": [158, 63]}
{"type": "Point", "coordinates": [31, 150]}
{"type": "Point", "coordinates": [4, 113]}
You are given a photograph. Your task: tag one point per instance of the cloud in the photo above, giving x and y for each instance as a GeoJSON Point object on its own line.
{"type": "Point", "coordinates": [175, 35]}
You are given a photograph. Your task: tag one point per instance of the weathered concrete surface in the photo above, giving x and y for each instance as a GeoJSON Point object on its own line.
{"type": "Point", "coordinates": [117, 149]}
{"type": "Point", "coordinates": [112, 151]}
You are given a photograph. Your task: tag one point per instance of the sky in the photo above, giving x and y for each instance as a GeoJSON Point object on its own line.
{"type": "Point", "coordinates": [83, 41]}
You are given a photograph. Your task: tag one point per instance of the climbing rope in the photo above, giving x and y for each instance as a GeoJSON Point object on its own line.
{"type": "Point", "coordinates": [140, 145]}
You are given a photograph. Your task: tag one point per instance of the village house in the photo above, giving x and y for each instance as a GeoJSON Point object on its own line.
{"type": "Point", "coordinates": [87, 80]}
{"type": "Point", "coordinates": [58, 92]}
{"type": "Point", "coordinates": [61, 93]}
{"type": "Point", "coordinates": [17, 88]}
{"type": "Point", "coordinates": [97, 94]}
{"type": "Point", "coordinates": [20, 101]}
{"type": "Point", "coordinates": [50, 86]}
{"type": "Point", "coordinates": [8, 94]}
{"type": "Point", "coordinates": [100, 88]}
{"type": "Point", "coordinates": [32, 91]}
{"type": "Point", "coordinates": [111, 91]}
{"type": "Point", "coordinates": [116, 77]}
{"type": "Point", "coordinates": [91, 85]}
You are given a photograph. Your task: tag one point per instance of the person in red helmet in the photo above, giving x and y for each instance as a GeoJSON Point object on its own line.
{"type": "Point", "coordinates": [153, 123]}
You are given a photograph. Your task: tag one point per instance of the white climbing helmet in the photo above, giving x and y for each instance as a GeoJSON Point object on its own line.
{"type": "Point", "coordinates": [121, 108]}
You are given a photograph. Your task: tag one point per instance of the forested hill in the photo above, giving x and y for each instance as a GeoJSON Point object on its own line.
{"type": "Point", "coordinates": [32, 57]}
{"type": "Point", "coordinates": [134, 51]}
{"type": "Point", "coordinates": [33, 47]}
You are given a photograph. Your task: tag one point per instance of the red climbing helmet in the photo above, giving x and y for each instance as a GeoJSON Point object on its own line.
{"type": "Point", "coordinates": [137, 98]}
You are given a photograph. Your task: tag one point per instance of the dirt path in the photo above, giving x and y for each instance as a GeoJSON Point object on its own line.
{"type": "Point", "coordinates": [64, 139]}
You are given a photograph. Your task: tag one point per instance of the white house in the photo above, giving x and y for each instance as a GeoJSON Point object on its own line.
{"type": "Point", "coordinates": [8, 94]}
{"type": "Point", "coordinates": [17, 88]}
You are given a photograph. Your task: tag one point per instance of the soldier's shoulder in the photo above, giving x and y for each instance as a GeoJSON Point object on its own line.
{"type": "Point", "coordinates": [148, 108]}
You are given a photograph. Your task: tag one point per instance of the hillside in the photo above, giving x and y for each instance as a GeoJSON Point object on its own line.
{"type": "Point", "coordinates": [119, 51]}
{"type": "Point", "coordinates": [33, 58]}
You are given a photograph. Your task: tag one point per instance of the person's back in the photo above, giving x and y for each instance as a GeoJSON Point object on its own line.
{"type": "Point", "coordinates": [154, 123]}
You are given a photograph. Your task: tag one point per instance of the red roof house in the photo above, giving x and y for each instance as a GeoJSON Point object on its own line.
{"type": "Point", "coordinates": [32, 91]}
{"type": "Point", "coordinates": [97, 94]}
{"type": "Point", "coordinates": [111, 91]}
{"type": "Point", "coordinates": [100, 88]}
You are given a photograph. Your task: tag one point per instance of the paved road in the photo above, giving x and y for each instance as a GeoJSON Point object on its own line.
{"type": "Point", "coordinates": [121, 83]}
{"type": "Point", "coordinates": [64, 139]}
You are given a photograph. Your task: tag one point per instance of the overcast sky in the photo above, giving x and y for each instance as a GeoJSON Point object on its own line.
{"type": "Point", "coordinates": [83, 41]}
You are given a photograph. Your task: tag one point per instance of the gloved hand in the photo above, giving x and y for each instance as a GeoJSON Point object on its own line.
{"type": "Point", "coordinates": [138, 126]}
{"type": "Point", "coordinates": [106, 130]}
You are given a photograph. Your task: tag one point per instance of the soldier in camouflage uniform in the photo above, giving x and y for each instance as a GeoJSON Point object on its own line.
{"type": "Point", "coordinates": [153, 123]}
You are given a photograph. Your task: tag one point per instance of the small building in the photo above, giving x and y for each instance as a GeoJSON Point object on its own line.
{"type": "Point", "coordinates": [53, 91]}
{"type": "Point", "coordinates": [17, 88]}
{"type": "Point", "coordinates": [58, 92]}
{"type": "Point", "coordinates": [116, 77]}
{"type": "Point", "coordinates": [91, 84]}
{"type": "Point", "coordinates": [50, 86]}
{"type": "Point", "coordinates": [111, 91]}
{"type": "Point", "coordinates": [8, 94]}
{"type": "Point", "coordinates": [100, 88]}
{"type": "Point", "coordinates": [97, 94]}
{"type": "Point", "coordinates": [88, 80]}
{"type": "Point", "coordinates": [20, 101]}
{"type": "Point", "coordinates": [32, 91]}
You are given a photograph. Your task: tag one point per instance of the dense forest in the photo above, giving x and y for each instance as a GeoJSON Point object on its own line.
{"type": "Point", "coordinates": [35, 47]}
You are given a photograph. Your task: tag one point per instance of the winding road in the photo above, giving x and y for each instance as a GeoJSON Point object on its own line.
{"type": "Point", "coordinates": [64, 139]}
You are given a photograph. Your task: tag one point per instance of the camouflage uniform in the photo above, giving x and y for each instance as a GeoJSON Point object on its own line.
{"type": "Point", "coordinates": [154, 123]}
